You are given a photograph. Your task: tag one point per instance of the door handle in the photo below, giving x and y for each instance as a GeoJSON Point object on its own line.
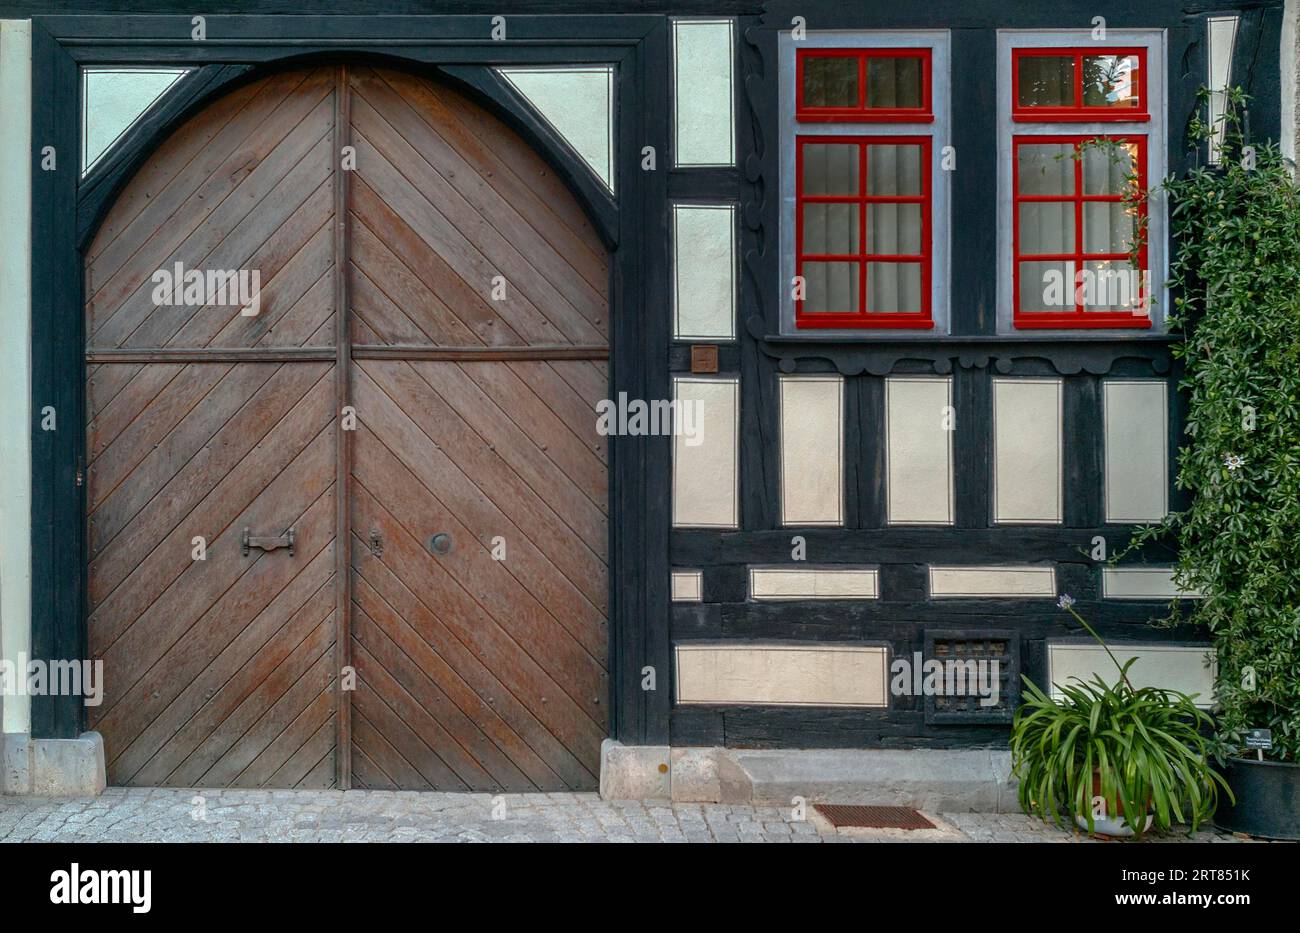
{"type": "Point", "coordinates": [266, 542]}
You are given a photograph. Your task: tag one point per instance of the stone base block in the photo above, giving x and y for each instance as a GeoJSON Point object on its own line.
{"type": "Point", "coordinates": [53, 767]}
{"type": "Point", "coordinates": [973, 780]}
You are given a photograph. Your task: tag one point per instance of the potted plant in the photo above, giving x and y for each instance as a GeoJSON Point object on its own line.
{"type": "Point", "coordinates": [1236, 277]}
{"type": "Point", "coordinates": [1114, 759]}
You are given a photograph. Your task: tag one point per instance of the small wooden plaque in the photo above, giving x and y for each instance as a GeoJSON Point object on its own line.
{"type": "Point", "coordinates": [704, 358]}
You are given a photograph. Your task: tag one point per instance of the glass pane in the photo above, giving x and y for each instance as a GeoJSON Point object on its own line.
{"type": "Point", "coordinates": [894, 229]}
{"type": "Point", "coordinates": [830, 229]}
{"type": "Point", "coordinates": [830, 168]}
{"type": "Point", "coordinates": [1111, 81]}
{"type": "Point", "coordinates": [893, 287]}
{"type": "Point", "coordinates": [894, 82]}
{"type": "Point", "coordinates": [1047, 285]}
{"type": "Point", "coordinates": [894, 169]}
{"type": "Point", "coordinates": [830, 81]}
{"type": "Point", "coordinates": [1111, 285]}
{"type": "Point", "coordinates": [1046, 227]}
{"type": "Point", "coordinates": [1046, 81]}
{"type": "Point", "coordinates": [1045, 168]}
{"type": "Point", "coordinates": [1108, 167]}
{"type": "Point", "coordinates": [1108, 227]}
{"type": "Point", "coordinates": [831, 287]}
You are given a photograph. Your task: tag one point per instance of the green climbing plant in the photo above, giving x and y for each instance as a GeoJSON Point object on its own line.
{"type": "Point", "coordinates": [1236, 281]}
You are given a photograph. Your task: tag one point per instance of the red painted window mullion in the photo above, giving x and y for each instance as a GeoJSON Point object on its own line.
{"type": "Point", "coordinates": [862, 81]}
{"type": "Point", "coordinates": [1078, 81]}
{"type": "Point", "coordinates": [1079, 305]}
{"type": "Point", "coordinates": [862, 228]}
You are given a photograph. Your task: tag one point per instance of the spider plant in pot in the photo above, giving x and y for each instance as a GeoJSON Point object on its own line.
{"type": "Point", "coordinates": [1113, 758]}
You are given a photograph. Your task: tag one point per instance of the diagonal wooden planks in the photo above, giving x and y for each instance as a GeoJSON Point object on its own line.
{"type": "Point", "coordinates": [474, 669]}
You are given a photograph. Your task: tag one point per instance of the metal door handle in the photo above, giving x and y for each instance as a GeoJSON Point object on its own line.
{"type": "Point", "coordinates": [440, 543]}
{"type": "Point", "coordinates": [266, 542]}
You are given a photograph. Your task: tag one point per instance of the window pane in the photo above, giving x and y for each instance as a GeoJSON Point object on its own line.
{"type": "Point", "coordinates": [894, 169]}
{"type": "Point", "coordinates": [830, 168]}
{"type": "Point", "coordinates": [1045, 168]}
{"type": "Point", "coordinates": [830, 81]}
{"type": "Point", "coordinates": [894, 82]}
{"type": "Point", "coordinates": [830, 229]}
{"type": "Point", "coordinates": [1108, 168]}
{"type": "Point", "coordinates": [1047, 285]}
{"type": "Point", "coordinates": [831, 287]}
{"type": "Point", "coordinates": [894, 229]}
{"type": "Point", "coordinates": [893, 287]}
{"type": "Point", "coordinates": [1046, 227]}
{"type": "Point", "coordinates": [1046, 81]}
{"type": "Point", "coordinates": [1110, 81]}
{"type": "Point", "coordinates": [1107, 227]}
{"type": "Point", "coordinates": [1111, 285]}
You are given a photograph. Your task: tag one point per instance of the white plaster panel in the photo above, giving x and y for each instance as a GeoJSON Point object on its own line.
{"type": "Point", "coordinates": [1137, 438]}
{"type": "Point", "coordinates": [704, 125]}
{"type": "Point", "coordinates": [918, 415]}
{"type": "Point", "coordinates": [114, 98]}
{"type": "Point", "coordinates": [1028, 450]}
{"type": "Point", "coordinates": [578, 101]}
{"type": "Point", "coordinates": [776, 583]}
{"type": "Point", "coordinates": [688, 586]}
{"type": "Point", "coordinates": [1142, 583]}
{"type": "Point", "coordinates": [991, 581]}
{"type": "Point", "coordinates": [812, 450]}
{"type": "Point", "coordinates": [705, 467]}
{"type": "Point", "coordinates": [704, 271]}
{"type": "Point", "coordinates": [1170, 667]}
{"type": "Point", "coordinates": [783, 674]}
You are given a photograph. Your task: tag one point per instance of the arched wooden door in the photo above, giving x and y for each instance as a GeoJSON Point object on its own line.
{"type": "Point", "coordinates": [411, 395]}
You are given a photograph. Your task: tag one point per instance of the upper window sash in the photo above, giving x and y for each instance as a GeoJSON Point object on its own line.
{"type": "Point", "coordinates": [864, 85]}
{"type": "Point", "coordinates": [1080, 84]}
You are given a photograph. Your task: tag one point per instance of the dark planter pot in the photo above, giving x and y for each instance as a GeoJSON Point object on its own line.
{"type": "Point", "coordinates": [1268, 799]}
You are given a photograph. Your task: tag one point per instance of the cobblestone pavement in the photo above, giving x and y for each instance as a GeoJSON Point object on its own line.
{"type": "Point", "coordinates": [181, 815]}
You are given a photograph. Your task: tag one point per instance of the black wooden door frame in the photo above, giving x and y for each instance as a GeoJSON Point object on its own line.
{"type": "Point", "coordinates": [454, 48]}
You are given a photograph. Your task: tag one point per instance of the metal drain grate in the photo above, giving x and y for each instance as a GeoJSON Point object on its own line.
{"type": "Point", "coordinates": [842, 815]}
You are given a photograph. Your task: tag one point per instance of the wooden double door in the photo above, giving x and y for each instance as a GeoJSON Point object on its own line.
{"type": "Point", "coordinates": [354, 532]}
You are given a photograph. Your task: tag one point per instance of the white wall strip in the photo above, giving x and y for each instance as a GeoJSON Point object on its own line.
{"type": "Point", "coordinates": [919, 424]}
{"type": "Point", "coordinates": [980, 582]}
{"type": "Point", "coordinates": [1142, 583]}
{"type": "Point", "coordinates": [705, 467]}
{"type": "Point", "coordinates": [688, 586]}
{"type": "Point", "coordinates": [15, 355]}
{"type": "Point", "coordinates": [812, 450]}
{"type": "Point", "coordinates": [1137, 436]}
{"type": "Point", "coordinates": [704, 122]}
{"type": "Point", "coordinates": [1171, 667]}
{"type": "Point", "coordinates": [783, 675]}
{"type": "Point", "coordinates": [813, 583]}
{"type": "Point", "coordinates": [1027, 450]}
{"type": "Point", "coordinates": [704, 271]}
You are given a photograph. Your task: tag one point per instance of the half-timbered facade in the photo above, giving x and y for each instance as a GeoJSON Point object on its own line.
{"type": "Point", "coordinates": [422, 396]}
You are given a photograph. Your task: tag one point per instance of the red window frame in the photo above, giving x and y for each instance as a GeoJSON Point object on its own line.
{"type": "Point", "coordinates": [1078, 112]}
{"type": "Point", "coordinates": [1080, 317]}
{"type": "Point", "coordinates": [863, 318]}
{"type": "Point", "coordinates": [862, 113]}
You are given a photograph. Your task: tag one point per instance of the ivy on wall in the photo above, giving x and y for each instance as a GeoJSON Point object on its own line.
{"type": "Point", "coordinates": [1236, 276]}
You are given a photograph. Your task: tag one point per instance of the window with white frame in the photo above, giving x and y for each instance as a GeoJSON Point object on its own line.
{"type": "Point", "coordinates": [1082, 127]}
{"type": "Point", "coordinates": [864, 234]}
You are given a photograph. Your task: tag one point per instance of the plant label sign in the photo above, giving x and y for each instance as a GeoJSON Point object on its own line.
{"type": "Point", "coordinates": [1261, 739]}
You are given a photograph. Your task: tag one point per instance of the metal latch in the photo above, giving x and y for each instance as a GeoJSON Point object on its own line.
{"type": "Point", "coordinates": [376, 543]}
{"type": "Point", "coordinates": [266, 542]}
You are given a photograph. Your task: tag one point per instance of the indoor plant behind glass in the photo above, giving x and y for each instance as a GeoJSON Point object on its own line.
{"type": "Point", "coordinates": [1114, 759]}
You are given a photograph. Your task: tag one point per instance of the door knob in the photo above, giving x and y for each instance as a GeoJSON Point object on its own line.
{"type": "Point", "coordinates": [440, 543]}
